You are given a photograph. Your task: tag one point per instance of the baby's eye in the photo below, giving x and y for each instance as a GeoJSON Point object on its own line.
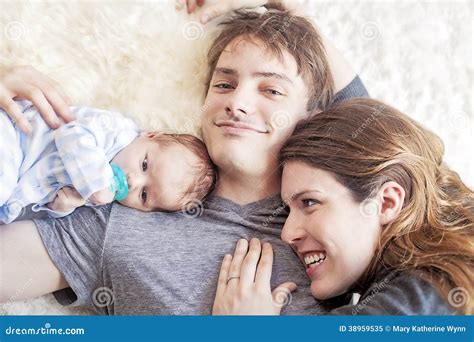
{"type": "Point", "coordinates": [145, 164]}
{"type": "Point", "coordinates": [144, 195]}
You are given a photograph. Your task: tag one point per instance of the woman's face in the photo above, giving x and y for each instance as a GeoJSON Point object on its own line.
{"type": "Point", "coordinates": [326, 224]}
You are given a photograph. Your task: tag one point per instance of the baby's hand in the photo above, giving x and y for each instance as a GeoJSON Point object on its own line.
{"type": "Point", "coordinates": [101, 197]}
{"type": "Point", "coordinates": [66, 200]}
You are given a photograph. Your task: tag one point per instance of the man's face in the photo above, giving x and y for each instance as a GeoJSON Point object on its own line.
{"type": "Point", "coordinates": [253, 103]}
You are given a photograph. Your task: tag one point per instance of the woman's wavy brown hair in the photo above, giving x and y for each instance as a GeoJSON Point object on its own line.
{"type": "Point", "coordinates": [365, 143]}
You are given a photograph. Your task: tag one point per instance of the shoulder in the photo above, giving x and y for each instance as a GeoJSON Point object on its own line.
{"type": "Point", "coordinates": [399, 293]}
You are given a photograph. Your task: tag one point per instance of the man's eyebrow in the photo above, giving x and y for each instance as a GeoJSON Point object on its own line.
{"type": "Point", "coordinates": [273, 75]}
{"type": "Point", "coordinates": [225, 71]}
{"type": "Point", "coordinates": [258, 74]}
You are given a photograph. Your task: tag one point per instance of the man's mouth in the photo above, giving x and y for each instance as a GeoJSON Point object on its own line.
{"type": "Point", "coordinates": [239, 126]}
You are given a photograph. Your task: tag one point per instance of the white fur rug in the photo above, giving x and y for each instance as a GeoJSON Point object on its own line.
{"type": "Point", "coordinates": [147, 60]}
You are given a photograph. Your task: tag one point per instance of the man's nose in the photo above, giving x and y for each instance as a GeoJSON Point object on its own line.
{"type": "Point", "coordinates": [241, 101]}
{"type": "Point", "coordinates": [293, 230]}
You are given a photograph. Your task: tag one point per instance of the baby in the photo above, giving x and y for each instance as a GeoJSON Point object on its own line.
{"type": "Point", "coordinates": [60, 170]}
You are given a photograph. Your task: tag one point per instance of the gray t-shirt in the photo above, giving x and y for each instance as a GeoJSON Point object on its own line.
{"type": "Point", "coordinates": [118, 260]}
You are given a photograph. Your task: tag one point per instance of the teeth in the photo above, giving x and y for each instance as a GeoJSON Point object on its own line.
{"type": "Point", "coordinates": [315, 259]}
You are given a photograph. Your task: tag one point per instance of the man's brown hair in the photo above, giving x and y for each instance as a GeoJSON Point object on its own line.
{"type": "Point", "coordinates": [278, 30]}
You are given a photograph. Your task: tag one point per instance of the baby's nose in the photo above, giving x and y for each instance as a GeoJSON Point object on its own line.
{"type": "Point", "coordinates": [130, 181]}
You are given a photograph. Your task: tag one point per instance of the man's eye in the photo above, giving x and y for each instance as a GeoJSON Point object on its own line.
{"type": "Point", "coordinates": [310, 202]}
{"type": "Point", "coordinates": [223, 86]}
{"type": "Point", "coordinates": [144, 195]}
{"type": "Point", "coordinates": [273, 92]}
{"type": "Point", "coordinates": [145, 164]}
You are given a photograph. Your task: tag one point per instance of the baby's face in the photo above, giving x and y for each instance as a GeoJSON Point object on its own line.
{"type": "Point", "coordinates": [158, 175]}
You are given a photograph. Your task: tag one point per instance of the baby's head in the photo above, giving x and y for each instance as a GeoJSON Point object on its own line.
{"type": "Point", "coordinates": [165, 172]}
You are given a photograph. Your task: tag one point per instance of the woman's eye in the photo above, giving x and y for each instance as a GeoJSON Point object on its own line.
{"type": "Point", "coordinates": [309, 202]}
{"type": "Point", "coordinates": [145, 164]}
{"type": "Point", "coordinates": [144, 195]}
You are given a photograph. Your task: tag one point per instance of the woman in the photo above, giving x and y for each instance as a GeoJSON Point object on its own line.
{"type": "Point", "coordinates": [373, 210]}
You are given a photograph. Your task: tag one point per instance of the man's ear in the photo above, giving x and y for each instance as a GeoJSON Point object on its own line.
{"type": "Point", "coordinates": [150, 135]}
{"type": "Point", "coordinates": [392, 197]}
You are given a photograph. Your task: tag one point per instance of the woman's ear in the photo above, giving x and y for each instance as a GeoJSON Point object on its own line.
{"type": "Point", "coordinates": [393, 197]}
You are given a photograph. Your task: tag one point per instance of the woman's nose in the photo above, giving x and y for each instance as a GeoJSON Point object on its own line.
{"type": "Point", "coordinates": [292, 231]}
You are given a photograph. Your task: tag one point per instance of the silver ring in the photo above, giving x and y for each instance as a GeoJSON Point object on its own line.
{"type": "Point", "coordinates": [229, 279]}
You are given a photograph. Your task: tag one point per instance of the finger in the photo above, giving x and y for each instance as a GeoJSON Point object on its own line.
{"type": "Point", "coordinates": [74, 193]}
{"type": "Point", "coordinates": [191, 6]}
{"type": "Point", "coordinates": [36, 96]}
{"type": "Point", "coordinates": [200, 2]}
{"type": "Point", "coordinates": [281, 295]}
{"type": "Point", "coordinates": [239, 255]}
{"type": "Point", "coordinates": [60, 90]}
{"type": "Point", "coordinates": [264, 269]}
{"type": "Point", "coordinates": [224, 273]}
{"type": "Point", "coordinates": [58, 101]}
{"type": "Point", "coordinates": [249, 265]}
{"type": "Point", "coordinates": [13, 110]}
{"type": "Point", "coordinates": [215, 11]}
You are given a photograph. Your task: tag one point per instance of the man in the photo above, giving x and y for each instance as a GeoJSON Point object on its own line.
{"type": "Point", "coordinates": [120, 261]}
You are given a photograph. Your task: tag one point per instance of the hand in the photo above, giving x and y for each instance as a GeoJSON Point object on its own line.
{"type": "Point", "coordinates": [216, 9]}
{"type": "Point", "coordinates": [250, 293]}
{"type": "Point", "coordinates": [66, 200]}
{"type": "Point", "coordinates": [102, 197]}
{"type": "Point", "coordinates": [46, 94]}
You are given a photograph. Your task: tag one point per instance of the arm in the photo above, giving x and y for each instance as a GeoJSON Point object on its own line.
{"type": "Point", "coordinates": [26, 270]}
{"type": "Point", "coordinates": [46, 94]}
{"type": "Point", "coordinates": [86, 146]}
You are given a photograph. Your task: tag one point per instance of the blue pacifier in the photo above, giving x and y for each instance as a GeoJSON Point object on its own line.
{"type": "Point", "coordinates": [119, 183]}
